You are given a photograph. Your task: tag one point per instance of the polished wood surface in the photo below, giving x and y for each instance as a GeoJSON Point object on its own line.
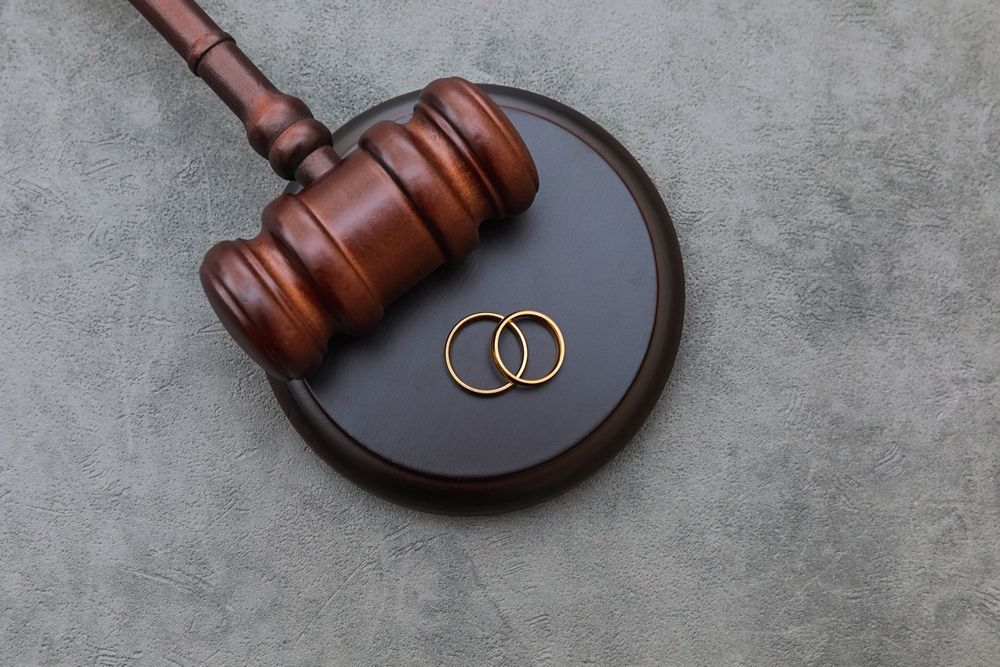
{"type": "Point", "coordinates": [596, 251]}
{"type": "Point", "coordinates": [279, 127]}
{"type": "Point", "coordinates": [365, 229]}
{"type": "Point", "coordinates": [330, 258]}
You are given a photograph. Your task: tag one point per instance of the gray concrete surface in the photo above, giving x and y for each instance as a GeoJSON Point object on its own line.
{"type": "Point", "coordinates": [818, 485]}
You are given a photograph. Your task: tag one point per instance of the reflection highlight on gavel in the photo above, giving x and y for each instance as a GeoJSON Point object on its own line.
{"type": "Point", "coordinates": [364, 228]}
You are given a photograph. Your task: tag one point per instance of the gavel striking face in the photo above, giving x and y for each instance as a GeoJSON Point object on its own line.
{"type": "Point", "coordinates": [364, 229]}
{"type": "Point", "coordinates": [331, 257]}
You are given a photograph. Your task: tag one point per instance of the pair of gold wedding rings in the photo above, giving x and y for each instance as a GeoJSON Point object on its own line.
{"type": "Point", "coordinates": [513, 378]}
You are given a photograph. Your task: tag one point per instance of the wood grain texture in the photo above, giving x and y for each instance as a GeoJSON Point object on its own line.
{"type": "Point", "coordinates": [329, 259]}
{"type": "Point", "coordinates": [281, 128]}
{"type": "Point", "coordinates": [831, 169]}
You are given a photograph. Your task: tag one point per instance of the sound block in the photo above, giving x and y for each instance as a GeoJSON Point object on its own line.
{"type": "Point", "coordinates": [597, 252]}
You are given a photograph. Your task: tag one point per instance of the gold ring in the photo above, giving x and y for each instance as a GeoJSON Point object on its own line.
{"type": "Point", "coordinates": [475, 317]}
{"type": "Point", "coordinates": [556, 336]}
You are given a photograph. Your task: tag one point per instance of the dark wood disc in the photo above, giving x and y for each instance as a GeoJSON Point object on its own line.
{"type": "Point", "coordinates": [597, 252]}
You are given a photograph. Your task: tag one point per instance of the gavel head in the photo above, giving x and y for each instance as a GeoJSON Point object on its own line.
{"type": "Point", "coordinates": [409, 198]}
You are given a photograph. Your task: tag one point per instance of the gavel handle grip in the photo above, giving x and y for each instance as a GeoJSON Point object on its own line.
{"type": "Point", "coordinates": [279, 127]}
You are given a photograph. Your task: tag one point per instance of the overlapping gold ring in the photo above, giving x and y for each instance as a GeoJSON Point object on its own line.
{"type": "Point", "coordinates": [513, 377]}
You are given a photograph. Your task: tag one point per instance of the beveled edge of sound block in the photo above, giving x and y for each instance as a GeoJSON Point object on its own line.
{"type": "Point", "coordinates": [487, 495]}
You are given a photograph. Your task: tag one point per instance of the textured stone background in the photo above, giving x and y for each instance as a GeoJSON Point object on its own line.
{"type": "Point", "coordinates": [819, 483]}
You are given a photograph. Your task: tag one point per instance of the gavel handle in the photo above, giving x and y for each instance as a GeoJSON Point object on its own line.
{"type": "Point", "coordinates": [279, 127]}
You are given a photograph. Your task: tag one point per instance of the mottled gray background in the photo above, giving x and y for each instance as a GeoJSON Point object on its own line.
{"type": "Point", "coordinates": [819, 483]}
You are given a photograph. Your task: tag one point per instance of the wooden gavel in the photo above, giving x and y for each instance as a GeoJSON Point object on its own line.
{"type": "Point", "coordinates": [364, 228]}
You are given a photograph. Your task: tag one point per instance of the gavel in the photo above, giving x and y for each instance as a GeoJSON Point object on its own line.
{"type": "Point", "coordinates": [365, 228]}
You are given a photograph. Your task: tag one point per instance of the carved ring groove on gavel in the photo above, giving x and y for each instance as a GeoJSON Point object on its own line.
{"type": "Point", "coordinates": [365, 228]}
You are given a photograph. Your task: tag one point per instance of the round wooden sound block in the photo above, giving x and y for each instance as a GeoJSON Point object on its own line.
{"type": "Point", "coordinates": [597, 252]}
